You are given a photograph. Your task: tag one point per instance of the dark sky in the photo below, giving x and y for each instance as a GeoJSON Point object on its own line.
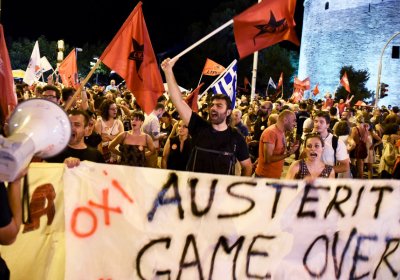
{"type": "Point", "coordinates": [83, 21]}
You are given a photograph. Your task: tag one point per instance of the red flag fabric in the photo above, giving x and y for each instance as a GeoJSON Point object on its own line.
{"type": "Point", "coordinates": [192, 98]}
{"type": "Point", "coordinates": [316, 90]}
{"type": "Point", "coordinates": [344, 81]}
{"type": "Point", "coordinates": [130, 54]}
{"type": "Point", "coordinates": [297, 95]}
{"type": "Point", "coordinates": [68, 70]}
{"type": "Point", "coordinates": [211, 68]}
{"type": "Point", "coordinates": [280, 81]}
{"type": "Point", "coordinates": [263, 25]}
{"type": "Point", "coordinates": [8, 98]}
{"type": "Point", "coordinates": [302, 84]}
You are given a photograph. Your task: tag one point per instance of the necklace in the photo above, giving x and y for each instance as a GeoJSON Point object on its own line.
{"type": "Point", "coordinates": [325, 137]}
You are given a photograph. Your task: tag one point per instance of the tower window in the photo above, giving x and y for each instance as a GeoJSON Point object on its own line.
{"type": "Point", "coordinates": [396, 52]}
{"type": "Point", "coordinates": [326, 5]}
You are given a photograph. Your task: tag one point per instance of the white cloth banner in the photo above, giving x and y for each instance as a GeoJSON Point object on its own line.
{"type": "Point", "coordinates": [141, 223]}
{"type": "Point", "coordinates": [33, 71]}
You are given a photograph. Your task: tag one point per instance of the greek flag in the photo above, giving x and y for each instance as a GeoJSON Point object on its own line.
{"type": "Point", "coordinates": [271, 83]}
{"type": "Point", "coordinates": [227, 83]}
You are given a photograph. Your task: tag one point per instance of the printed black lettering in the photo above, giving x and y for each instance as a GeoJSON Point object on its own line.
{"type": "Point", "coordinates": [144, 249]}
{"type": "Point", "coordinates": [183, 265]}
{"type": "Point", "coordinates": [229, 191]}
{"type": "Point", "coordinates": [196, 212]}
{"type": "Point", "coordinates": [251, 252]}
{"type": "Point", "coordinates": [162, 200]}
{"type": "Point", "coordinates": [321, 273]}
{"type": "Point", "coordinates": [305, 198]}
{"type": "Point", "coordinates": [381, 191]}
{"type": "Point", "coordinates": [224, 242]}
{"type": "Point", "coordinates": [358, 256]}
{"type": "Point", "coordinates": [385, 256]}
{"type": "Point", "coordinates": [335, 203]}
{"type": "Point", "coordinates": [338, 268]}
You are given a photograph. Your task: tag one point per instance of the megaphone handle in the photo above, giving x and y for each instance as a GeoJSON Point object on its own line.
{"type": "Point", "coordinates": [25, 202]}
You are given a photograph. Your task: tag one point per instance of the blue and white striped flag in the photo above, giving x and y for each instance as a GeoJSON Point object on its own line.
{"type": "Point", "coordinates": [227, 83]}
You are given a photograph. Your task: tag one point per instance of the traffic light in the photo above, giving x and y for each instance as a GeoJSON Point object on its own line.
{"type": "Point", "coordinates": [384, 90]}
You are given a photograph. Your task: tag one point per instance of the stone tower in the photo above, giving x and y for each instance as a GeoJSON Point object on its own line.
{"type": "Point", "coordinates": [339, 33]}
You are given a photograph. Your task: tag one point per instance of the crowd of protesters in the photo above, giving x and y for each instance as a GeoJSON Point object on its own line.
{"type": "Point", "coordinates": [263, 132]}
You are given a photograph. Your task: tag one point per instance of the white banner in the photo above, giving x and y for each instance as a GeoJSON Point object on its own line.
{"type": "Point", "coordinates": [142, 223]}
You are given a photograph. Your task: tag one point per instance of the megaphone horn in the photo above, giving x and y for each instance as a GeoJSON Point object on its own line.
{"type": "Point", "coordinates": [37, 127]}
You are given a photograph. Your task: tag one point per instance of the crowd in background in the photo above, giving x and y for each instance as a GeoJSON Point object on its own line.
{"type": "Point", "coordinates": [123, 134]}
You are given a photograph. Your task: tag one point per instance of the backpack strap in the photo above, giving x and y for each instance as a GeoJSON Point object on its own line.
{"type": "Point", "coordinates": [335, 141]}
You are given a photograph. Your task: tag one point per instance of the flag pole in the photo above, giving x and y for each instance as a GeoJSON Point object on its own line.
{"type": "Point", "coordinates": [217, 79]}
{"type": "Point", "coordinates": [78, 91]}
{"type": "Point", "coordinates": [200, 79]}
{"type": "Point", "coordinates": [225, 25]}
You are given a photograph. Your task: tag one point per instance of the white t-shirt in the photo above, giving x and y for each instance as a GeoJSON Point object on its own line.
{"type": "Point", "coordinates": [328, 153]}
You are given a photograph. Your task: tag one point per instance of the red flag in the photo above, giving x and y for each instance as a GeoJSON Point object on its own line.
{"type": "Point", "coordinates": [8, 98]}
{"type": "Point", "coordinates": [302, 84]}
{"type": "Point", "coordinates": [263, 25]}
{"type": "Point", "coordinates": [131, 55]}
{"type": "Point", "coordinates": [192, 98]}
{"type": "Point", "coordinates": [280, 81]}
{"type": "Point", "coordinates": [316, 90]}
{"type": "Point", "coordinates": [344, 81]}
{"type": "Point", "coordinates": [211, 68]}
{"type": "Point", "coordinates": [297, 95]}
{"type": "Point", "coordinates": [68, 70]}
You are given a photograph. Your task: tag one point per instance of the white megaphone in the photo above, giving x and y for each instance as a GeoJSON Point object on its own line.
{"type": "Point", "coordinates": [36, 127]}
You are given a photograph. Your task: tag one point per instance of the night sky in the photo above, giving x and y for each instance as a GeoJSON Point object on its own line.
{"type": "Point", "coordinates": [83, 21]}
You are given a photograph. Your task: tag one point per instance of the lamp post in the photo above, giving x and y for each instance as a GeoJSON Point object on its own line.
{"type": "Point", "coordinates": [92, 64]}
{"type": "Point", "coordinates": [378, 83]}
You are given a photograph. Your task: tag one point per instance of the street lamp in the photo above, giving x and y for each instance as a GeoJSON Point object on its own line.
{"type": "Point", "coordinates": [378, 84]}
{"type": "Point", "coordinates": [92, 64]}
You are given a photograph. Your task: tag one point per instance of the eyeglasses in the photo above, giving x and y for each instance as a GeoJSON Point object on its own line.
{"type": "Point", "coordinates": [265, 108]}
{"type": "Point", "coordinates": [49, 96]}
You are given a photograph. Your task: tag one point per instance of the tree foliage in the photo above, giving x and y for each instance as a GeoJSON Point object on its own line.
{"type": "Point", "coordinates": [357, 80]}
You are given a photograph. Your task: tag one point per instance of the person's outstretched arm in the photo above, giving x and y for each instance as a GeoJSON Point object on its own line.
{"type": "Point", "coordinates": [185, 112]}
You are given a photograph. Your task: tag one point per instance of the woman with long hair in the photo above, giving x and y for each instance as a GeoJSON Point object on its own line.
{"type": "Point", "coordinates": [177, 149]}
{"type": "Point", "coordinates": [134, 145]}
{"type": "Point", "coordinates": [311, 166]}
{"type": "Point", "coordinates": [108, 126]}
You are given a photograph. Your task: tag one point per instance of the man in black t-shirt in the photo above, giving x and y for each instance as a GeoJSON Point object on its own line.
{"type": "Point", "coordinates": [216, 145]}
{"type": "Point", "coordinates": [77, 150]}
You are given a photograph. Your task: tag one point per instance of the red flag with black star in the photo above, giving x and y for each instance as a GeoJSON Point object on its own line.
{"type": "Point", "coordinates": [191, 99]}
{"type": "Point", "coordinates": [8, 98]}
{"type": "Point", "coordinates": [263, 25]}
{"type": "Point", "coordinates": [130, 54]}
{"type": "Point", "coordinates": [68, 70]}
{"type": "Point", "coordinates": [344, 81]}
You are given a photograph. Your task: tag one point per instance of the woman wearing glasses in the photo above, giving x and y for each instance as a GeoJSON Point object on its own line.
{"type": "Point", "coordinates": [311, 166]}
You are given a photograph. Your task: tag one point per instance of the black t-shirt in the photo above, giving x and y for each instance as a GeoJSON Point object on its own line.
{"type": "Point", "coordinates": [301, 116]}
{"type": "Point", "coordinates": [90, 154]}
{"type": "Point", "coordinates": [215, 151]}
{"type": "Point", "coordinates": [259, 126]}
{"type": "Point", "coordinates": [5, 211]}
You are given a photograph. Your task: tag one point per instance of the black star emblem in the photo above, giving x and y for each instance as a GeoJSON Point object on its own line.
{"type": "Point", "coordinates": [137, 55]}
{"type": "Point", "coordinates": [273, 26]}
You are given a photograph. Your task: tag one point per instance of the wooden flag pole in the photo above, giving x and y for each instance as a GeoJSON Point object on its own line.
{"type": "Point", "coordinates": [202, 40]}
{"type": "Point", "coordinates": [78, 91]}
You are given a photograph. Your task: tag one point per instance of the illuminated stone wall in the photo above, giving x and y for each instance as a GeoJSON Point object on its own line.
{"type": "Point", "coordinates": [350, 32]}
